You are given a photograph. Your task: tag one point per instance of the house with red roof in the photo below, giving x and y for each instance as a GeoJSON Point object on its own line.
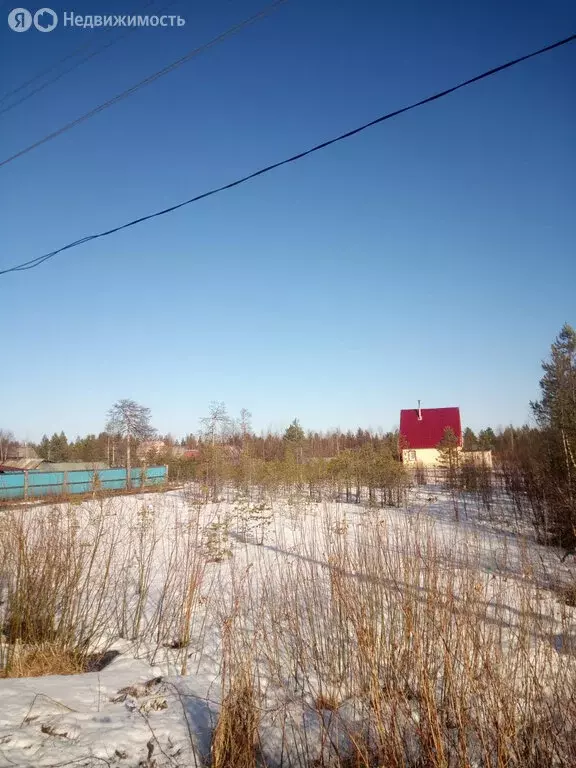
{"type": "Point", "coordinates": [422, 429]}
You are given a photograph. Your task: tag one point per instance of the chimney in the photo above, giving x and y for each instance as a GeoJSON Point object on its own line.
{"type": "Point", "coordinates": [419, 412]}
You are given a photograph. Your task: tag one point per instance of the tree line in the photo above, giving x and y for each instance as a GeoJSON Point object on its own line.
{"type": "Point", "coordinates": [106, 447]}
{"type": "Point", "coordinates": [536, 461]}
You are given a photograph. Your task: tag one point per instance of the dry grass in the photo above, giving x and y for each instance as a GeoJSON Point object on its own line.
{"type": "Point", "coordinates": [235, 735]}
{"type": "Point", "coordinates": [327, 702]}
{"type": "Point", "coordinates": [434, 660]}
{"type": "Point", "coordinates": [74, 577]}
{"type": "Point", "coordinates": [567, 595]}
{"type": "Point", "coordinates": [349, 642]}
{"type": "Point", "coordinates": [44, 659]}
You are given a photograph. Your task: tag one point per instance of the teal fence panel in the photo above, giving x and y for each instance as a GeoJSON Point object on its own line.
{"type": "Point", "coordinates": [37, 484]}
{"type": "Point", "coordinates": [156, 475]}
{"type": "Point", "coordinates": [12, 485]}
{"type": "Point", "coordinates": [45, 484]}
{"type": "Point", "coordinates": [112, 479]}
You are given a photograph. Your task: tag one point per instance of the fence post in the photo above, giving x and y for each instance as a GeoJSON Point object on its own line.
{"type": "Point", "coordinates": [65, 483]}
{"type": "Point", "coordinates": [166, 475]}
{"type": "Point", "coordinates": [25, 483]}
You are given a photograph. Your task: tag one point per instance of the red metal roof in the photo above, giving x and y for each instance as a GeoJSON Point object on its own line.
{"type": "Point", "coordinates": [428, 432]}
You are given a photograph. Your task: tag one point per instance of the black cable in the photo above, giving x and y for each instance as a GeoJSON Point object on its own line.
{"type": "Point", "coordinates": [56, 64]}
{"type": "Point", "coordinates": [129, 91]}
{"type": "Point", "coordinates": [74, 66]}
{"type": "Point", "coordinates": [49, 69]}
{"type": "Point", "coordinates": [41, 259]}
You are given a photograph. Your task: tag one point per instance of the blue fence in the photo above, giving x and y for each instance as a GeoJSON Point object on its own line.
{"type": "Point", "coordinates": [37, 484]}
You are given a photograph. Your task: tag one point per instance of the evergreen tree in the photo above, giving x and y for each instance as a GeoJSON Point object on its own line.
{"type": "Point", "coordinates": [555, 414]}
{"type": "Point", "coordinates": [470, 442]}
{"type": "Point", "coordinates": [557, 407]}
{"type": "Point", "coordinates": [294, 433]}
{"type": "Point", "coordinates": [58, 449]}
{"type": "Point", "coordinates": [43, 448]}
{"type": "Point", "coordinates": [486, 439]}
{"type": "Point", "coordinates": [448, 458]}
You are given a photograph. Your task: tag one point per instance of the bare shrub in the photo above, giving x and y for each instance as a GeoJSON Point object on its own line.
{"type": "Point", "coordinates": [56, 580]}
{"type": "Point", "coordinates": [420, 474]}
{"type": "Point", "coordinates": [73, 578]}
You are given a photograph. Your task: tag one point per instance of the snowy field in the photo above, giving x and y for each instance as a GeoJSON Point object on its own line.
{"type": "Point", "coordinates": [356, 630]}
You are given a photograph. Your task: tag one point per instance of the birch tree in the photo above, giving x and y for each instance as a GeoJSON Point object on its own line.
{"type": "Point", "coordinates": [129, 421]}
{"type": "Point", "coordinates": [216, 425]}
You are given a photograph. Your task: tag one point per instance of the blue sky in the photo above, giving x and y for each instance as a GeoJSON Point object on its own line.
{"type": "Point", "coordinates": [431, 257]}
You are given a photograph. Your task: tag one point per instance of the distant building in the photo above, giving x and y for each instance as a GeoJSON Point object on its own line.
{"type": "Point", "coordinates": [18, 451]}
{"type": "Point", "coordinates": [20, 465]}
{"type": "Point", "coordinates": [151, 446]}
{"type": "Point", "coordinates": [421, 431]}
{"type": "Point", "coordinates": [20, 457]}
{"type": "Point", "coordinates": [187, 453]}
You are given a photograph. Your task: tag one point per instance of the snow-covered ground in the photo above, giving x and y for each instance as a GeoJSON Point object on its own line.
{"type": "Point", "coordinates": [156, 703]}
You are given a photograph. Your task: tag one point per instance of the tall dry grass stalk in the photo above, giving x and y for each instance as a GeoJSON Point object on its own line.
{"type": "Point", "coordinates": [412, 653]}
{"type": "Point", "coordinates": [74, 578]}
{"type": "Point", "coordinates": [55, 580]}
{"type": "Point", "coordinates": [235, 737]}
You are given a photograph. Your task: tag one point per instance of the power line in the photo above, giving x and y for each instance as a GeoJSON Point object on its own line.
{"type": "Point", "coordinates": [74, 66]}
{"type": "Point", "coordinates": [60, 75]}
{"type": "Point", "coordinates": [439, 95]}
{"type": "Point", "coordinates": [40, 75]}
{"type": "Point", "coordinates": [56, 64]}
{"type": "Point", "coordinates": [152, 78]}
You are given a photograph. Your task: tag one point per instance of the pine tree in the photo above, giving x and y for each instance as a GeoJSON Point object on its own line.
{"type": "Point", "coordinates": [555, 414]}
{"type": "Point", "coordinates": [43, 448]}
{"type": "Point", "coordinates": [57, 449]}
{"type": "Point", "coordinates": [448, 457]}
{"type": "Point", "coordinates": [470, 442]}
{"type": "Point", "coordinates": [557, 407]}
{"type": "Point", "coordinates": [294, 433]}
{"type": "Point", "coordinates": [486, 439]}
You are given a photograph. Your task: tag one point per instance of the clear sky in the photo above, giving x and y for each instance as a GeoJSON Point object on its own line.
{"type": "Point", "coordinates": [431, 257]}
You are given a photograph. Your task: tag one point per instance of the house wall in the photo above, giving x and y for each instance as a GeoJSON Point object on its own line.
{"type": "Point", "coordinates": [427, 457]}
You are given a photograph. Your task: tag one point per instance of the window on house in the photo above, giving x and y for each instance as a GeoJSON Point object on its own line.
{"type": "Point", "coordinates": [409, 455]}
